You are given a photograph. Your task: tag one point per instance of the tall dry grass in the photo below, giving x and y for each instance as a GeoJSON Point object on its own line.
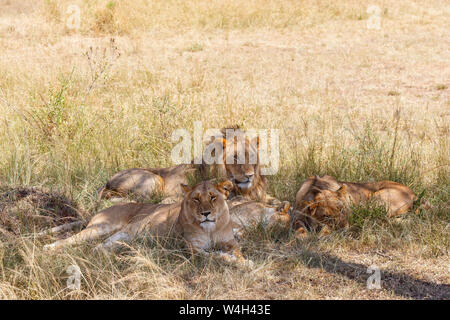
{"type": "Point", "coordinates": [355, 103]}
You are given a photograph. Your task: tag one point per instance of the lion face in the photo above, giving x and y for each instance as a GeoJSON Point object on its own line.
{"type": "Point", "coordinates": [242, 160]}
{"type": "Point", "coordinates": [241, 172]}
{"type": "Point", "coordinates": [326, 204]}
{"type": "Point", "coordinates": [206, 203]}
{"type": "Point", "coordinates": [239, 161]}
{"type": "Point", "coordinates": [327, 207]}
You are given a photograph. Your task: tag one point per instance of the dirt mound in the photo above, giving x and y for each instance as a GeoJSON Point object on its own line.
{"type": "Point", "coordinates": [24, 210]}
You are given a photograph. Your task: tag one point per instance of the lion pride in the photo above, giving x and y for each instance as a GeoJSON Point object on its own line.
{"type": "Point", "coordinates": [246, 176]}
{"type": "Point", "coordinates": [202, 218]}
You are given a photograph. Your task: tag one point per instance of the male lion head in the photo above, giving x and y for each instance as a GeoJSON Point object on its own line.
{"type": "Point", "coordinates": [205, 204]}
{"type": "Point", "coordinates": [326, 208]}
{"type": "Point", "coordinates": [242, 163]}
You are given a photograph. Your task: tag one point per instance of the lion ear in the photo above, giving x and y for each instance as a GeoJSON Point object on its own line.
{"type": "Point", "coordinates": [185, 188]}
{"type": "Point", "coordinates": [225, 187]}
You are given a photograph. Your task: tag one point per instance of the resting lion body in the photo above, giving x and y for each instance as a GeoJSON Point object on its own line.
{"type": "Point", "coordinates": [246, 214]}
{"type": "Point", "coordinates": [245, 175]}
{"type": "Point", "coordinates": [146, 183]}
{"type": "Point", "coordinates": [324, 201]}
{"type": "Point", "coordinates": [202, 218]}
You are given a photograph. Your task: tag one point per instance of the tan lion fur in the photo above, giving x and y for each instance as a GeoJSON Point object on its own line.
{"type": "Point", "coordinates": [324, 201]}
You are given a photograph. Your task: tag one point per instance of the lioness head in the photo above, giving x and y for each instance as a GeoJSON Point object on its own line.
{"type": "Point", "coordinates": [206, 204]}
{"type": "Point", "coordinates": [242, 164]}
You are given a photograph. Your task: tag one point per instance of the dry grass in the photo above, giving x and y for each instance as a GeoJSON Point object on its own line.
{"type": "Point", "coordinates": [356, 103]}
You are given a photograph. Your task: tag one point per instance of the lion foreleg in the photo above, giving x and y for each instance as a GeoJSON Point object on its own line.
{"type": "Point", "coordinates": [230, 251]}
{"type": "Point", "coordinates": [90, 233]}
{"type": "Point", "coordinates": [61, 228]}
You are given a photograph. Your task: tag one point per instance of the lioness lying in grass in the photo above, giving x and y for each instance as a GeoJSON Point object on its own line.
{"type": "Point", "coordinates": [202, 218]}
{"type": "Point", "coordinates": [324, 203]}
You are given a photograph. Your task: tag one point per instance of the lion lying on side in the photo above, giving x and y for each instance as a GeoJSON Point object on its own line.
{"type": "Point", "coordinates": [202, 218]}
{"type": "Point", "coordinates": [246, 177]}
{"type": "Point", "coordinates": [323, 202]}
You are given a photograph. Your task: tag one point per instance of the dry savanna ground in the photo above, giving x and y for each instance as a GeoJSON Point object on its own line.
{"type": "Point", "coordinates": [351, 101]}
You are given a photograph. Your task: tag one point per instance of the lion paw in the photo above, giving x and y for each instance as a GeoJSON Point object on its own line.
{"type": "Point", "coordinates": [231, 258]}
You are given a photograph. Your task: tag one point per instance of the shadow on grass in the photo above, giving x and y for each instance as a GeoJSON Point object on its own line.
{"type": "Point", "coordinates": [400, 283]}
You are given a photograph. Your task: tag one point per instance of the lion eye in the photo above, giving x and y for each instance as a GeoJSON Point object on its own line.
{"type": "Point", "coordinates": [213, 198]}
{"type": "Point", "coordinates": [196, 200]}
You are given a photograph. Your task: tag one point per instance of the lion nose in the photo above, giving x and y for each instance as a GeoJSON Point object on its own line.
{"type": "Point", "coordinates": [206, 213]}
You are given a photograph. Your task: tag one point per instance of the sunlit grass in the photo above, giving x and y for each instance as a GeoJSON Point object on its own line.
{"type": "Point", "coordinates": [358, 104]}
